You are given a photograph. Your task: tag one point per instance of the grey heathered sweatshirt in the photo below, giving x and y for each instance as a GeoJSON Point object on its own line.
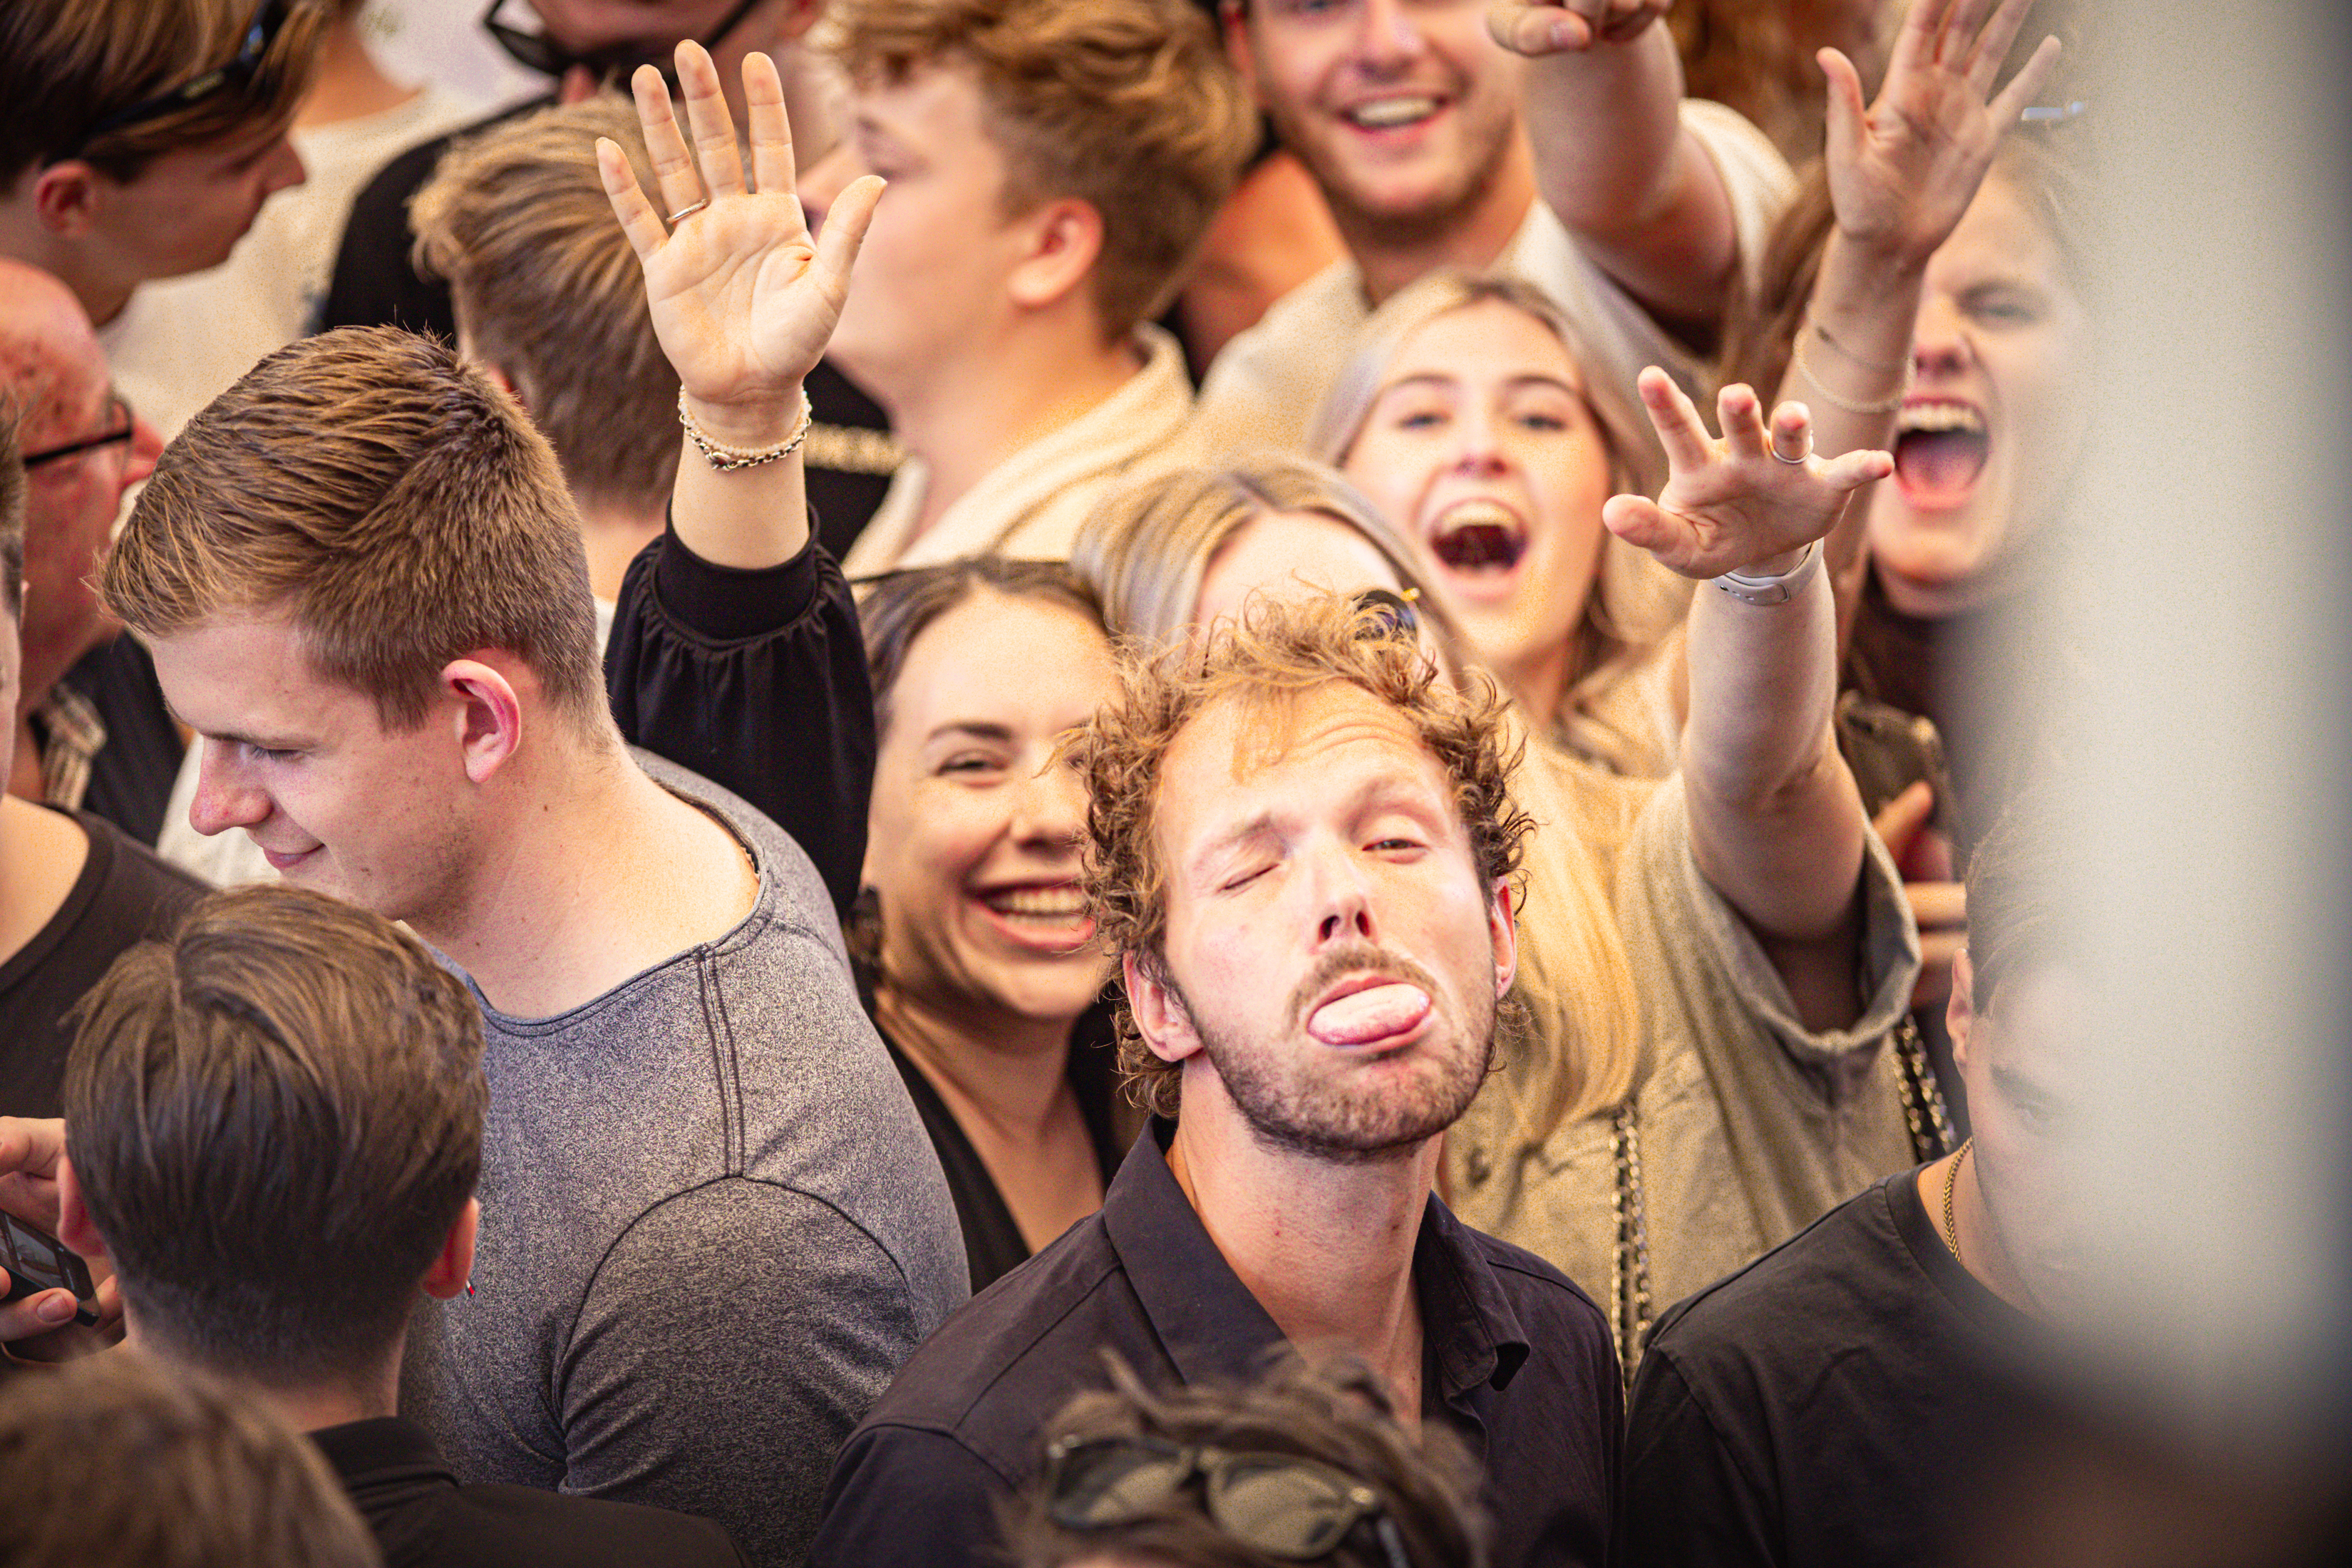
{"type": "Point", "coordinates": [712, 1228]}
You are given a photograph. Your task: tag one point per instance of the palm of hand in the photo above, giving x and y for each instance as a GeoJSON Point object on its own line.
{"type": "Point", "coordinates": [1737, 511]}
{"type": "Point", "coordinates": [738, 299]}
{"type": "Point", "coordinates": [1923, 149]}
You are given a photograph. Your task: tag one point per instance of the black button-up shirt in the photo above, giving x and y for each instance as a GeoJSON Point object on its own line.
{"type": "Point", "coordinates": [1518, 1363]}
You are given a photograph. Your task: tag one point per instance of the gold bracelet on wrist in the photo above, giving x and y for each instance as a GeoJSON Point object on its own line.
{"type": "Point", "coordinates": [1902, 369]}
{"type": "Point", "coordinates": [1881, 405]}
{"type": "Point", "coordinates": [726, 459]}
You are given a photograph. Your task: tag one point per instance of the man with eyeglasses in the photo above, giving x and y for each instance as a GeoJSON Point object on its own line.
{"type": "Point", "coordinates": [139, 138]}
{"type": "Point", "coordinates": [583, 46]}
{"type": "Point", "coordinates": [92, 733]}
{"type": "Point", "coordinates": [74, 892]}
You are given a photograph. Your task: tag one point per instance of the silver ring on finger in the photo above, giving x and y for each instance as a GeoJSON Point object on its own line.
{"type": "Point", "coordinates": [686, 212]}
{"type": "Point", "coordinates": [1800, 461]}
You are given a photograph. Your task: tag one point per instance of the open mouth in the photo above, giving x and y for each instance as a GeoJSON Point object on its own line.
{"type": "Point", "coordinates": [1394, 113]}
{"type": "Point", "coordinates": [1479, 538]}
{"type": "Point", "coordinates": [1941, 450]}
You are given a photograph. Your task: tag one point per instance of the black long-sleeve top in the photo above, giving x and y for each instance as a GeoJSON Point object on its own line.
{"type": "Point", "coordinates": [755, 679]}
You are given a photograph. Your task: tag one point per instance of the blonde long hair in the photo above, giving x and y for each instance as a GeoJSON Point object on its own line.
{"type": "Point", "coordinates": [1144, 553]}
{"type": "Point", "coordinates": [1635, 602]}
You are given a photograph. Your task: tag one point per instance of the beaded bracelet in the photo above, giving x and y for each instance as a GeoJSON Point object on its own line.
{"type": "Point", "coordinates": [726, 459]}
{"type": "Point", "coordinates": [1883, 405]}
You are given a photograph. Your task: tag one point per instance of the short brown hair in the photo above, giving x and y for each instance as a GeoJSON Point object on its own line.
{"type": "Point", "coordinates": [67, 64]}
{"type": "Point", "coordinates": [2015, 873]}
{"type": "Point", "coordinates": [1336, 1414]}
{"type": "Point", "coordinates": [275, 1117]}
{"type": "Point", "coordinates": [1280, 650]}
{"type": "Point", "coordinates": [1128, 105]}
{"type": "Point", "coordinates": [390, 497]}
{"type": "Point", "coordinates": [113, 1462]}
{"type": "Point", "coordinates": [547, 291]}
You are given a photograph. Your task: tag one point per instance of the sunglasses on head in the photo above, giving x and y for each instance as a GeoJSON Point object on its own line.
{"type": "Point", "coordinates": [270, 19]}
{"type": "Point", "coordinates": [1290, 1508]}
{"type": "Point", "coordinates": [118, 410]}
{"type": "Point", "coordinates": [540, 52]}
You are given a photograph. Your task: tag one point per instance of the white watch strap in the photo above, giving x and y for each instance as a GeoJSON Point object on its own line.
{"type": "Point", "coordinates": [1777, 590]}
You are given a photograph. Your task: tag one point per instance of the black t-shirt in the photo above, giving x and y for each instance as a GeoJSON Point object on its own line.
{"type": "Point", "coordinates": [423, 1519]}
{"type": "Point", "coordinates": [991, 1237]}
{"type": "Point", "coordinates": [376, 283]}
{"type": "Point", "coordinates": [1829, 1404]}
{"type": "Point", "coordinates": [123, 896]}
{"type": "Point", "coordinates": [130, 778]}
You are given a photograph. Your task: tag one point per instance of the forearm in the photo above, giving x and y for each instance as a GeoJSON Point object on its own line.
{"type": "Point", "coordinates": [1776, 825]}
{"type": "Point", "coordinates": [752, 517]}
{"type": "Point", "coordinates": [1617, 168]}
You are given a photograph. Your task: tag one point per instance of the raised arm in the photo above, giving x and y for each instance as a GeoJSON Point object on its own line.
{"type": "Point", "coordinates": [1613, 161]}
{"type": "Point", "coordinates": [743, 299]}
{"type": "Point", "coordinates": [1902, 173]}
{"type": "Point", "coordinates": [1777, 827]}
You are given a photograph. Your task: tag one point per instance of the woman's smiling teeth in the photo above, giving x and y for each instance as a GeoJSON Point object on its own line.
{"type": "Point", "coordinates": [1476, 536]}
{"type": "Point", "coordinates": [1388, 113]}
{"type": "Point", "coordinates": [1060, 904]}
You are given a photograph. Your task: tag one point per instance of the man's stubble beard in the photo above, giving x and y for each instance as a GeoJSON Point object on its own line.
{"type": "Point", "coordinates": [1363, 1127]}
{"type": "Point", "coordinates": [1368, 226]}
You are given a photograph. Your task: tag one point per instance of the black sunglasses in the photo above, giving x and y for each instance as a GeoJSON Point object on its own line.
{"type": "Point", "coordinates": [540, 52]}
{"type": "Point", "coordinates": [1291, 1508]}
{"type": "Point", "coordinates": [117, 408]}
{"type": "Point", "coordinates": [1388, 614]}
{"type": "Point", "coordinates": [268, 20]}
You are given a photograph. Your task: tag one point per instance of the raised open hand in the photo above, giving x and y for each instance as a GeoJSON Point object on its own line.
{"type": "Point", "coordinates": [1537, 27]}
{"type": "Point", "coordinates": [1733, 503]}
{"type": "Point", "coordinates": [1903, 170]}
{"type": "Point", "coordinates": [743, 299]}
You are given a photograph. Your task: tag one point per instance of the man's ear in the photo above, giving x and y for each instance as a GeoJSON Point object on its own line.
{"type": "Point", "coordinates": [487, 716]}
{"type": "Point", "coordinates": [1160, 1017]}
{"type": "Point", "coordinates": [75, 1228]}
{"type": "Point", "coordinates": [453, 1266]}
{"type": "Point", "coordinates": [1232, 19]}
{"type": "Point", "coordinates": [65, 197]}
{"type": "Point", "coordinates": [1960, 1011]}
{"type": "Point", "coordinates": [1066, 239]}
{"type": "Point", "coordinates": [1503, 930]}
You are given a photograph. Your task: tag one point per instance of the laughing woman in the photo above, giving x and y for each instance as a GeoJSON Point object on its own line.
{"type": "Point", "coordinates": [971, 937]}
{"type": "Point", "coordinates": [1466, 418]}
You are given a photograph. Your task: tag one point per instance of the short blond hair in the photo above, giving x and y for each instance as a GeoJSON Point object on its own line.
{"type": "Point", "coordinates": [547, 290]}
{"type": "Point", "coordinates": [67, 64]}
{"type": "Point", "coordinates": [1128, 105]}
{"type": "Point", "coordinates": [388, 496]}
{"type": "Point", "coordinates": [1278, 652]}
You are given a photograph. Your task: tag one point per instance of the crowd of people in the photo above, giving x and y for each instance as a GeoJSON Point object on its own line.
{"type": "Point", "coordinates": [1150, 782]}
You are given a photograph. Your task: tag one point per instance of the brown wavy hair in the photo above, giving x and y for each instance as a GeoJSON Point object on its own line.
{"type": "Point", "coordinates": [1279, 652]}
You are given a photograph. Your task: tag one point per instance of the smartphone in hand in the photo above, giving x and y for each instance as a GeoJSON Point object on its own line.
{"type": "Point", "coordinates": [37, 1261]}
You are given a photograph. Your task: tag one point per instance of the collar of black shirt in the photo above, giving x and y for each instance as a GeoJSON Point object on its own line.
{"type": "Point", "coordinates": [1214, 1330]}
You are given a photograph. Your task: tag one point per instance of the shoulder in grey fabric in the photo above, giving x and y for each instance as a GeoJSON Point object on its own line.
{"type": "Point", "coordinates": [712, 1229]}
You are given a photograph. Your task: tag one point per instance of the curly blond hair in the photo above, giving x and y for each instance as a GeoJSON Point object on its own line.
{"type": "Point", "coordinates": [1279, 652]}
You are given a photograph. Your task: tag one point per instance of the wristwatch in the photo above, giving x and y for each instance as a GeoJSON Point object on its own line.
{"type": "Point", "coordinates": [1777, 590]}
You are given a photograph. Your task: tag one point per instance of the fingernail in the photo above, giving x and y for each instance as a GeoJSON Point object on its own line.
{"type": "Point", "coordinates": [54, 1309]}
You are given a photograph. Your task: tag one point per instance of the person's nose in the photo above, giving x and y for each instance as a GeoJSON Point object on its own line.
{"type": "Point", "coordinates": [1478, 441]}
{"type": "Point", "coordinates": [1388, 36]}
{"type": "Point", "coordinates": [146, 445]}
{"type": "Point", "coordinates": [225, 798]}
{"type": "Point", "coordinates": [1939, 341]}
{"type": "Point", "coordinates": [282, 169]}
{"type": "Point", "coordinates": [1341, 906]}
{"type": "Point", "coordinates": [1049, 812]}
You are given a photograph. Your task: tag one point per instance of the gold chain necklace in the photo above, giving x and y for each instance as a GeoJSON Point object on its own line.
{"type": "Point", "coordinates": [1951, 1183]}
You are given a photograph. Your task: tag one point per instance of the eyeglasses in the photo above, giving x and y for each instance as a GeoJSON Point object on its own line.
{"type": "Point", "coordinates": [1291, 1508]}
{"type": "Point", "coordinates": [118, 407]}
{"type": "Point", "coordinates": [270, 19]}
{"type": "Point", "coordinates": [540, 52]}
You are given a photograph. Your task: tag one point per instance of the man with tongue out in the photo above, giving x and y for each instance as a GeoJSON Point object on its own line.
{"type": "Point", "coordinates": [1303, 847]}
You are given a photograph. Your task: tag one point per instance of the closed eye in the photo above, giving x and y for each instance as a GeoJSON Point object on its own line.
{"type": "Point", "coordinates": [1243, 881]}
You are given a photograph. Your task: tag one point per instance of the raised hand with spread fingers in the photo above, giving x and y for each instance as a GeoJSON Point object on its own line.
{"type": "Point", "coordinates": [1748, 502]}
{"type": "Point", "coordinates": [743, 297]}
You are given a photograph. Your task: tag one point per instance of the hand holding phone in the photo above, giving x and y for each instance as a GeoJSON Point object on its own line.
{"type": "Point", "coordinates": [36, 1262]}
